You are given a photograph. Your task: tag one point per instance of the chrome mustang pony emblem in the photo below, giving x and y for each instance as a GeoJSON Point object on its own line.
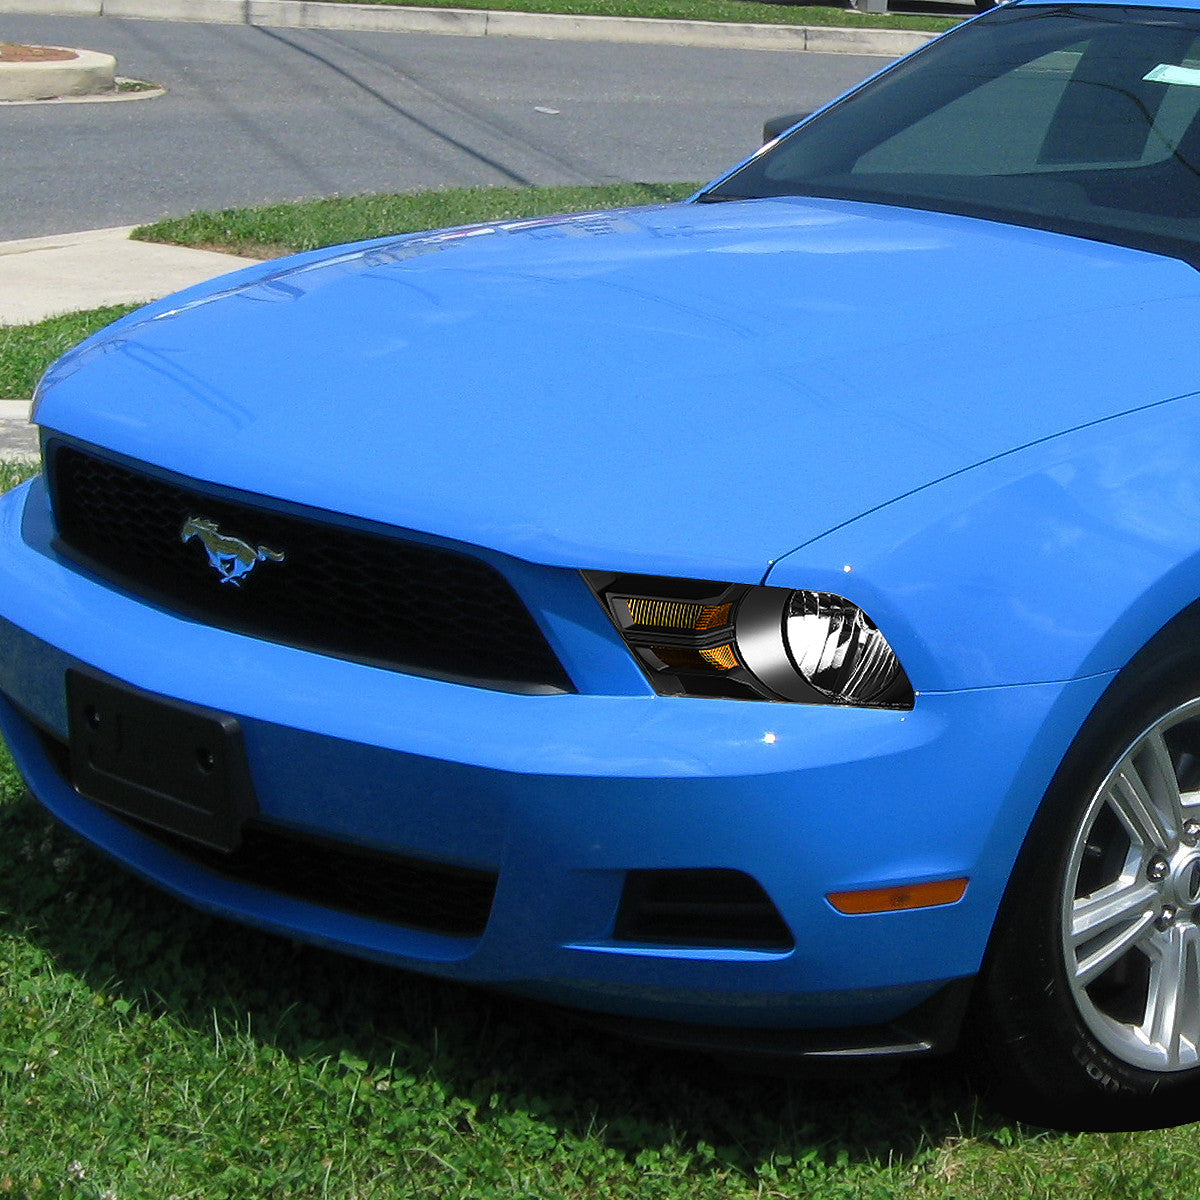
{"type": "Point", "coordinates": [229, 556]}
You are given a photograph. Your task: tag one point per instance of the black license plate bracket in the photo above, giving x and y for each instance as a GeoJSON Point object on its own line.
{"type": "Point", "coordinates": [176, 766]}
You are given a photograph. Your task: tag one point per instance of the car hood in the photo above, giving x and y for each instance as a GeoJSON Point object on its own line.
{"type": "Point", "coordinates": [692, 389]}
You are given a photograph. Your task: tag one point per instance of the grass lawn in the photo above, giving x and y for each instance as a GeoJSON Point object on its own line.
{"type": "Point", "coordinates": [13, 472]}
{"type": "Point", "coordinates": [27, 350]}
{"type": "Point", "coordinates": [702, 10]}
{"type": "Point", "coordinates": [276, 229]}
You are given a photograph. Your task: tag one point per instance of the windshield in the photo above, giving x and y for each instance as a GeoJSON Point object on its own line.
{"type": "Point", "coordinates": [1076, 119]}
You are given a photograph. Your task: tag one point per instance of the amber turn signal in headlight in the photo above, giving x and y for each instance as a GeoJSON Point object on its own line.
{"type": "Point", "coordinates": [698, 637]}
{"type": "Point", "coordinates": [715, 658]}
{"type": "Point", "coordinates": [671, 614]}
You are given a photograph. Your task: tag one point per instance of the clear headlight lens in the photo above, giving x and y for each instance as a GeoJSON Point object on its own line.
{"type": "Point", "coordinates": [837, 648]}
{"type": "Point", "coordinates": [703, 638]}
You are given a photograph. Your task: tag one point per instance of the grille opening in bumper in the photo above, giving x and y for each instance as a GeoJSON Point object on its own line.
{"type": "Point", "coordinates": [369, 595]}
{"type": "Point", "coordinates": [710, 908]}
{"type": "Point", "coordinates": [420, 894]}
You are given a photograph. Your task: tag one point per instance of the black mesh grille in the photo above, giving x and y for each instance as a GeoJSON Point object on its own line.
{"type": "Point", "coordinates": [339, 591]}
{"type": "Point", "coordinates": [435, 897]}
{"type": "Point", "coordinates": [417, 893]}
{"type": "Point", "coordinates": [700, 908]}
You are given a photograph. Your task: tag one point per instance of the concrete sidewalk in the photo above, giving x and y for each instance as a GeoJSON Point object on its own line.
{"type": "Point", "coordinates": [18, 439]}
{"type": "Point", "coordinates": [42, 277]}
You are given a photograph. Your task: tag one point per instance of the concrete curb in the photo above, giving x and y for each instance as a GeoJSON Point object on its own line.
{"type": "Point", "coordinates": [88, 73]}
{"type": "Point", "coordinates": [462, 22]}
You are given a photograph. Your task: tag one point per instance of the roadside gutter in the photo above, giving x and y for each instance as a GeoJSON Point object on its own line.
{"type": "Point", "coordinates": [465, 22]}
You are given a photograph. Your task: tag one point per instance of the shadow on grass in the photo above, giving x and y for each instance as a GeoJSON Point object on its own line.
{"type": "Point", "coordinates": [500, 1055]}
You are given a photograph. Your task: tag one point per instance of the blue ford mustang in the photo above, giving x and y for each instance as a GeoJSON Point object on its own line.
{"type": "Point", "coordinates": [772, 617]}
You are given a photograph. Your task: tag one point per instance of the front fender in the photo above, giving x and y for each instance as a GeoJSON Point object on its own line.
{"type": "Point", "coordinates": [1055, 562]}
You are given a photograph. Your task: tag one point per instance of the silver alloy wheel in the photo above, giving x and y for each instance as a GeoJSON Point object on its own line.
{"type": "Point", "coordinates": [1131, 901]}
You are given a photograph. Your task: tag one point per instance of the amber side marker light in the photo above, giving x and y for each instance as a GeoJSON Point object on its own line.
{"type": "Point", "coordinates": [896, 899]}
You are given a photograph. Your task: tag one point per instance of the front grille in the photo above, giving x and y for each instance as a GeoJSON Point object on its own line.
{"type": "Point", "coordinates": [714, 908]}
{"type": "Point", "coordinates": [341, 591]}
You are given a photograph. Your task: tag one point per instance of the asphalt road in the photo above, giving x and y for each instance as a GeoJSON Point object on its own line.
{"type": "Point", "coordinates": [257, 115]}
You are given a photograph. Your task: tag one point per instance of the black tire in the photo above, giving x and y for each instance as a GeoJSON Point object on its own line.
{"type": "Point", "coordinates": [1088, 1006]}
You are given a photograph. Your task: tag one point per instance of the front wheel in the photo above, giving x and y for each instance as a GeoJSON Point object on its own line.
{"type": "Point", "coordinates": [1090, 996]}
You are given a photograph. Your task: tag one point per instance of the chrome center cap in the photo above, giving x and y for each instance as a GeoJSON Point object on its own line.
{"type": "Point", "coordinates": [1185, 879]}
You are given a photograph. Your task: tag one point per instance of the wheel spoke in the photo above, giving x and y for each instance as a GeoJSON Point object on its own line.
{"type": "Point", "coordinates": [1109, 924]}
{"type": "Point", "coordinates": [1147, 808]}
{"type": "Point", "coordinates": [1122, 902]}
{"type": "Point", "coordinates": [1157, 771]}
{"type": "Point", "coordinates": [1172, 1022]}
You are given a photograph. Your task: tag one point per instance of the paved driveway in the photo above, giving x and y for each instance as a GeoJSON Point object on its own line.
{"type": "Point", "coordinates": [255, 115]}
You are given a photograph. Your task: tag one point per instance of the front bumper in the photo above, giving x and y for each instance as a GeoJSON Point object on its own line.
{"type": "Point", "coordinates": [561, 797]}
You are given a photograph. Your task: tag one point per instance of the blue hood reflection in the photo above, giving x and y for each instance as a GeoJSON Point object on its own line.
{"type": "Point", "coordinates": [691, 389]}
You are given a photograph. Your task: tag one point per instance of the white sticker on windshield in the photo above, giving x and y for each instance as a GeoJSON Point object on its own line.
{"type": "Point", "coordinates": [1165, 73]}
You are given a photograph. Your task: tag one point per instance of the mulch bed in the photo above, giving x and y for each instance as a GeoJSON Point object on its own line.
{"type": "Point", "coordinates": [14, 52]}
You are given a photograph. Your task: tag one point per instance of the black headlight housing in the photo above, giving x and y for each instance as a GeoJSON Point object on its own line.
{"type": "Point", "coordinates": [699, 637]}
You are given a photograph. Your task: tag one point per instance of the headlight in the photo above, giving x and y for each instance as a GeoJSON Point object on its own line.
{"type": "Point", "coordinates": [700, 638]}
